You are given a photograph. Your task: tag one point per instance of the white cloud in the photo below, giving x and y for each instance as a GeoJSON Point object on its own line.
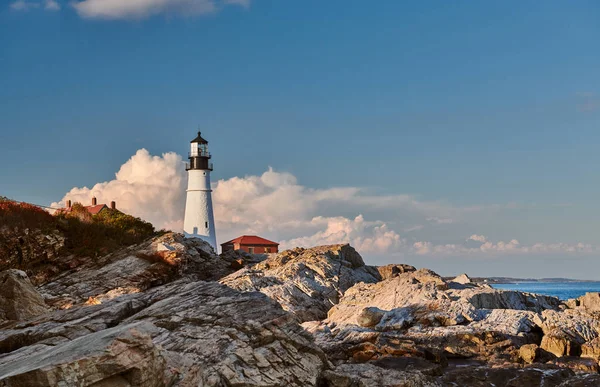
{"type": "Point", "coordinates": [483, 246]}
{"type": "Point", "coordinates": [150, 187]}
{"type": "Point", "coordinates": [374, 237]}
{"type": "Point", "coordinates": [477, 238]}
{"type": "Point", "coordinates": [437, 220]}
{"type": "Point", "coordinates": [22, 5]}
{"type": "Point", "coordinates": [276, 206]}
{"type": "Point", "coordinates": [139, 9]}
{"type": "Point", "coordinates": [51, 5]}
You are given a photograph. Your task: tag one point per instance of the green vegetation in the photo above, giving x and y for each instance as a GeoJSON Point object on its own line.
{"type": "Point", "coordinates": [85, 234]}
{"type": "Point", "coordinates": [102, 233]}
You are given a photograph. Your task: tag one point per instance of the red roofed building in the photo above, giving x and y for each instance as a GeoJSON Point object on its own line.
{"type": "Point", "coordinates": [251, 244]}
{"type": "Point", "coordinates": [94, 209]}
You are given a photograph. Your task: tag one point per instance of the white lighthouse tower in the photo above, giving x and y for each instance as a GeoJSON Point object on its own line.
{"type": "Point", "coordinates": [199, 221]}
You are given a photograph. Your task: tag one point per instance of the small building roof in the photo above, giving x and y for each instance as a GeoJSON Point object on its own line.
{"type": "Point", "coordinates": [199, 139]}
{"type": "Point", "coordinates": [251, 240]}
{"type": "Point", "coordinates": [96, 209]}
{"type": "Point", "coordinates": [91, 209]}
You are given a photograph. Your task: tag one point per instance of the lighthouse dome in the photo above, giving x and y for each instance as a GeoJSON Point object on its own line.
{"type": "Point", "coordinates": [199, 140]}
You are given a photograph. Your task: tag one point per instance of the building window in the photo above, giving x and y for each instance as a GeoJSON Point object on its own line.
{"type": "Point", "coordinates": [206, 224]}
{"type": "Point", "coordinates": [251, 250]}
{"type": "Point", "coordinates": [267, 250]}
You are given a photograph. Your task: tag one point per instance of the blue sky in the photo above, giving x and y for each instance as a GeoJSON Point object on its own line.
{"type": "Point", "coordinates": [470, 104]}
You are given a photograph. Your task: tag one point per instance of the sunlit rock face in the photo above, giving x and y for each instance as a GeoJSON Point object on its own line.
{"type": "Point", "coordinates": [306, 282]}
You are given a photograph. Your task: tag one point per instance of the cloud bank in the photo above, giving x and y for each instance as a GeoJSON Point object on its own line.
{"type": "Point", "coordinates": [139, 9]}
{"type": "Point", "coordinates": [276, 206]}
{"type": "Point", "coordinates": [23, 5]}
{"type": "Point", "coordinates": [130, 9]}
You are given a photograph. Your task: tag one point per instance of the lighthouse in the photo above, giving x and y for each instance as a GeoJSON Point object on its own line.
{"type": "Point", "coordinates": [199, 221]}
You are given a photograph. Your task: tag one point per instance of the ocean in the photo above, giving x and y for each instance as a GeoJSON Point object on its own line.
{"type": "Point", "coordinates": [562, 290]}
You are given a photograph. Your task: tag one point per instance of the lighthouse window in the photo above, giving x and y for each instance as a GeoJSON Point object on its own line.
{"type": "Point", "coordinates": [206, 224]}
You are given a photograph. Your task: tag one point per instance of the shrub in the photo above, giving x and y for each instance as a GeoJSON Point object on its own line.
{"type": "Point", "coordinates": [24, 215]}
{"type": "Point", "coordinates": [104, 232]}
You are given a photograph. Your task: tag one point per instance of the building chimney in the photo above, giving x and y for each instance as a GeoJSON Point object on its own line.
{"type": "Point", "coordinates": [68, 204]}
{"type": "Point", "coordinates": [94, 202]}
{"type": "Point", "coordinates": [113, 205]}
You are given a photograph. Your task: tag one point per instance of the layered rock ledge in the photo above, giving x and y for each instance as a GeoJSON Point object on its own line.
{"type": "Point", "coordinates": [169, 312]}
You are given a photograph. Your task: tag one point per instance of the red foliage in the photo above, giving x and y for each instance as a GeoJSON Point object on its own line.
{"type": "Point", "coordinates": [24, 215]}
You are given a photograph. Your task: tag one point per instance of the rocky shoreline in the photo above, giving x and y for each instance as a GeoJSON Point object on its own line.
{"type": "Point", "coordinates": [169, 312]}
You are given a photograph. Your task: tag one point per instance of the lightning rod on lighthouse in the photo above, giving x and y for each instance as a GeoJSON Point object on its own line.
{"type": "Point", "coordinates": [199, 221]}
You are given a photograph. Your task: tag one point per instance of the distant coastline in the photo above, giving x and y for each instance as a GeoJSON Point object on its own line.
{"type": "Point", "coordinates": [511, 280]}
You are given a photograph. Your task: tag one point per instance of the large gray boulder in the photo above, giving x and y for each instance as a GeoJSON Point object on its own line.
{"type": "Point", "coordinates": [123, 355]}
{"type": "Point", "coordinates": [19, 300]}
{"type": "Point", "coordinates": [590, 302]}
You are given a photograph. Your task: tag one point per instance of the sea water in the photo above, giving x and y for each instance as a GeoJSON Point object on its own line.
{"type": "Point", "coordinates": [562, 290]}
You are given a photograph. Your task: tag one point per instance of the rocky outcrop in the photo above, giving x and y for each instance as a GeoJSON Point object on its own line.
{"type": "Point", "coordinates": [153, 314]}
{"type": "Point", "coordinates": [124, 355]}
{"type": "Point", "coordinates": [19, 300]}
{"type": "Point", "coordinates": [134, 269]}
{"type": "Point", "coordinates": [393, 270]}
{"type": "Point", "coordinates": [188, 333]}
{"type": "Point", "coordinates": [536, 375]}
{"type": "Point", "coordinates": [30, 249]}
{"type": "Point", "coordinates": [529, 352]}
{"type": "Point", "coordinates": [462, 279]}
{"type": "Point", "coordinates": [509, 299]}
{"type": "Point", "coordinates": [590, 302]}
{"type": "Point", "coordinates": [418, 315]}
{"type": "Point", "coordinates": [349, 375]}
{"type": "Point", "coordinates": [305, 282]}
{"type": "Point", "coordinates": [591, 349]}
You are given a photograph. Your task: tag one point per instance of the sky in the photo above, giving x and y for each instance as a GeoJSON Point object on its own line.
{"type": "Point", "coordinates": [460, 136]}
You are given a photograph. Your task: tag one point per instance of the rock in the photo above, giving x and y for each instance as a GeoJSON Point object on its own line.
{"type": "Point", "coordinates": [482, 376]}
{"type": "Point", "coordinates": [572, 303]}
{"type": "Point", "coordinates": [34, 251]}
{"type": "Point", "coordinates": [590, 302]}
{"type": "Point", "coordinates": [581, 380]}
{"type": "Point", "coordinates": [577, 364]}
{"type": "Point", "coordinates": [350, 375]}
{"type": "Point", "coordinates": [238, 259]}
{"type": "Point", "coordinates": [19, 300]}
{"type": "Point", "coordinates": [306, 282]}
{"type": "Point", "coordinates": [509, 322]}
{"type": "Point", "coordinates": [508, 299]}
{"type": "Point", "coordinates": [462, 279]}
{"type": "Point", "coordinates": [558, 343]}
{"type": "Point", "coordinates": [591, 349]}
{"type": "Point", "coordinates": [393, 270]}
{"type": "Point", "coordinates": [122, 353]}
{"type": "Point", "coordinates": [369, 317]}
{"type": "Point", "coordinates": [575, 324]}
{"type": "Point", "coordinates": [529, 352]}
{"type": "Point", "coordinates": [134, 269]}
{"type": "Point", "coordinates": [209, 335]}
{"type": "Point", "coordinates": [421, 287]}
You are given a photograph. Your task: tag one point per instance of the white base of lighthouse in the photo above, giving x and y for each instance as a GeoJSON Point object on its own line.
{"type": "Point", "coordinates": [199, 221]}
